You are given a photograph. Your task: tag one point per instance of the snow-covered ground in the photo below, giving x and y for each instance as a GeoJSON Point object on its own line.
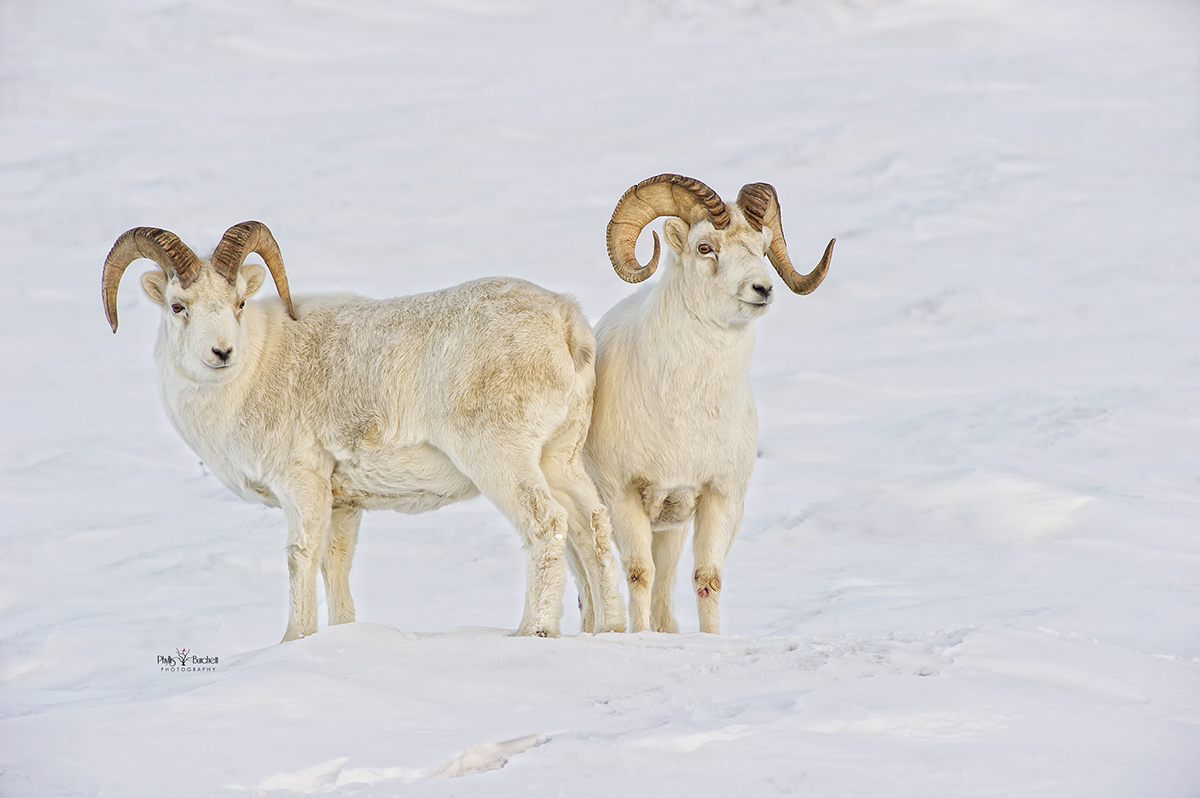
{"type": "Point", "coordinates": [970, 562]}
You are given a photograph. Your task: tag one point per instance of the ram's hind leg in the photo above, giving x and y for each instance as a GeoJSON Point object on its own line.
{"type": "Point", "coordinates": [593, 564]}
{"type": "Point", "coordinates": [587, 603]}
{"type": "Point", "coordinates": [515, 484]}
{"type": "Point", "coordinates": [590, 533]}
{"type": "Point", "coordinates": [335, 565]}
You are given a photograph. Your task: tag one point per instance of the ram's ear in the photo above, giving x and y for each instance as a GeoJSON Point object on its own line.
{"type": "Point", "coordinates": [251, 278]}
{"type": "Point", "coordinates": [155, 285]}
{"type": "Point", "coordinates": [676, 233]}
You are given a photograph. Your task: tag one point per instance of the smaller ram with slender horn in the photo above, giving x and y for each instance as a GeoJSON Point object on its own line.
{"type": "Point", "coordinates": [328, 406]}
{"type": "Point", "coordinates": [674, 428]}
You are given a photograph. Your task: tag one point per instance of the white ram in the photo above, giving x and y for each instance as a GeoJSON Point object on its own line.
{"type": "Point", "coordinates": [333, 405]}
{"type": "Point", "coordinates": [674, 429]}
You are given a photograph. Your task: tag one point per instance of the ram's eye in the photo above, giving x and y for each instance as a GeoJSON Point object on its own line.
{"type": "Point", "coordinates": [704, 249]}
{"type": "Point", "coordinates": [242, 305]}
{"type": "Point", "coordinates": [176, 307]}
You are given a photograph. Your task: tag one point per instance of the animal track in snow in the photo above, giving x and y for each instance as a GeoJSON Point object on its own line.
{"type": "Point", "coordinates": [332, 774]}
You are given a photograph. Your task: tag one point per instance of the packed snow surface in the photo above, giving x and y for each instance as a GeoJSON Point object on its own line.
{"type": "Point", "coordinates": [970, 563]}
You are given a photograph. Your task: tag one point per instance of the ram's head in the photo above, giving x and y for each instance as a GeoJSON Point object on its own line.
{"type": "Point", "coordinates": [202, 300]}
{"type": "Point", "coordinates": [723, 246]}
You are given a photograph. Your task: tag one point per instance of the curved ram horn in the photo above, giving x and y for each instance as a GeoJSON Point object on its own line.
{"type": "Point", "coordinates": [238, 242]}
{"type": "Point", "coordinates": [662, 195]}
{"type": "Point", "coordinates": [161, 246]}
{"type": "Point", "coordinates": [760, 206]}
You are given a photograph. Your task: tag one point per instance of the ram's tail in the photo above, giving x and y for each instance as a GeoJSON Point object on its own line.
{"type": "Point", "coordinates": [580, 339]}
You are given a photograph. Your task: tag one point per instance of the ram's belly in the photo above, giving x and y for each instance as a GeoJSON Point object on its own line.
{"type": "Point", "coordinates": [408, 479]}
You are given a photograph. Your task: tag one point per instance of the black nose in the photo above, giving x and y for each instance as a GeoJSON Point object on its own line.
{"type": "Point", "coordinates": [223, 354]}
{"type": "Point", "coordinates": [763, 290]}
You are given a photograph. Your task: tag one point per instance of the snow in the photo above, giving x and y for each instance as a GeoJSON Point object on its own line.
{"type": "Point", "coordinates": [969, 564]}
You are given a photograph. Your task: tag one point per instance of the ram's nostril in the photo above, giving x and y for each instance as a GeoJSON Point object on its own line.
{"type": "Point", "coordinates": [763, 290]}
{"type": "Point", "coordinates": [223, 354]}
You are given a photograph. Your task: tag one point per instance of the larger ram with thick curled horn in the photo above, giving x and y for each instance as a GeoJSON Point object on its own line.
{"type": "Point", "coordinates": [328, 406]}
{"type": "Point", "coordinates": [674, 429]}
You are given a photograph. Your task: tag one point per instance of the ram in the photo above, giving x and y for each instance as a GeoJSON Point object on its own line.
{"type": "Point", "coordinates": [674, 429]}
{"type": "Point", "coordinates": [328, 406]}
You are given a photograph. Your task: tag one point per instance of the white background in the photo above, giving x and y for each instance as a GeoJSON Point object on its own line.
{"type": "Point", "coordinates": [969, 564]}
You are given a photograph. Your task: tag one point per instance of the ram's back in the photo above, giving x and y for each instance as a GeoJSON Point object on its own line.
{"type": "Point", "coordinates": [392, 387]}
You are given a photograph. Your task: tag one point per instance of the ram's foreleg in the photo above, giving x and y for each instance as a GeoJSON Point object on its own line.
{"type": "Point", "coordinates": [306, 502]}
{"type": "Point", "coordinates": [718, 517]}
{"type": "Point", "coordinates": [631, 528]}
{"type": "Point", "coordinates": [665, 547]}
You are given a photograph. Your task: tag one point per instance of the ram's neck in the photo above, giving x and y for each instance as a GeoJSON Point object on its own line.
{"type": "Point", "coordinates": [674, 361]}
{"type": "Point", "coordinates": [676, 338]}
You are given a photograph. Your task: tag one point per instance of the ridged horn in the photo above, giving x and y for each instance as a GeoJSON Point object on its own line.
{"type": "Point", "coordinates": [662, 195]}
{"type": "Point", "coordinates": [760, 205]}
{"type": "Point", "coordinates": [161, 246]}
{"type": "Point", "coordinates": [237, 244]}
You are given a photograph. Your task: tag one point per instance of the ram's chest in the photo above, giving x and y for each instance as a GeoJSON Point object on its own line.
{"type": "Point", "coordinates": [241, 470]}
{"type": "Point", "coordinates": [245, 470]}
{"type": "Point", "coordinates": [703, 437]}
{"type": "Point", "coordinates": [699, 436]}
{"type": "Point", "coordinates": [252, 454]}
{"type": "Point", "coordinates": [677, 460]}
